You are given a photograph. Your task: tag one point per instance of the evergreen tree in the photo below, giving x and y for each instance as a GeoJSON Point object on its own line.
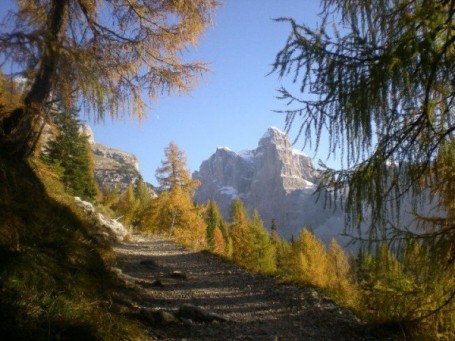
{"type": "Point", "coordinates": [214, 222]}
{"type": "Point", "coordinates": [71, 155]}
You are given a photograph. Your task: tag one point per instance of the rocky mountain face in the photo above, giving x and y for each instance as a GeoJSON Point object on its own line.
{"type": "Point", "coordinates": [113, 167]}
{"type": "Point", "coordinates": [276, 180]}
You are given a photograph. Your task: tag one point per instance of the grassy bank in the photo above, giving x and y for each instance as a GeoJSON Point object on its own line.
{"type": "Point", "coordinates": [54, 281]}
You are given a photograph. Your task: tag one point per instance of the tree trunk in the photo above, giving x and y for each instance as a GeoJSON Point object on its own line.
{"type": "Point", "coordinates": [20, 131]}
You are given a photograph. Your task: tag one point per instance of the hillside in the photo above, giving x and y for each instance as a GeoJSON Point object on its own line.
{"type": "Point", "coordinates": [54, 277]}
{"type": "Point", "coordinates": [60, 281]}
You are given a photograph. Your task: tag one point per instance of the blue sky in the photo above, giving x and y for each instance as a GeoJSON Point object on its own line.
{"type": "Point", "coordinates": [232, 105]}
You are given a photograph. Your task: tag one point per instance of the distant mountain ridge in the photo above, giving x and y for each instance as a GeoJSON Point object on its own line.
{"type": "Point", "coordinates": [275, 179]}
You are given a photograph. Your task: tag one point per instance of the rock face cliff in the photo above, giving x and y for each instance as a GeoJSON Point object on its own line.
{"type": "Point", "coordinates": [113, 167]}
{"type": "Point", "coordinates": [276, 180]}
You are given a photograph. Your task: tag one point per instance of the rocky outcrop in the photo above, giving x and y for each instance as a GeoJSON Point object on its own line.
{"type": "Point", "coordinates": [113, 229]}
{"type": "Point", "coordinates": [113, 167]}
{"type": "Point", "coordinates": [276, 180]}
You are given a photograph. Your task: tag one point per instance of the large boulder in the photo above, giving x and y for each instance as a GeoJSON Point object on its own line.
{"type": "Point", "coordinates": [115, 230]}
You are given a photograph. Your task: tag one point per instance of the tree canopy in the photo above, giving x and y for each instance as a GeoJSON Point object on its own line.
{"type": "Point", "coordinates": [101, 54]}
{"type": "Point", "coordinates": [383, 87]}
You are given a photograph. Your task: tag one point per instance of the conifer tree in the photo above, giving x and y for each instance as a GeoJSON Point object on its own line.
{"type": "Point", "coordinates": [285, 260]}
{"type": "Point", "coordinates": [173, 212]}
{"type": "Point", "coordinates": [311, 259]}
{"type": "Point", "coordinates": [219, 243]}
{"type": "Point", "coordinates": [383, 88]}
{"type": "Point", "coordinates": [111, 197]}
{"type": "Point", "coordinates": [128, 205]}
{"type": "Point", "coordinates": [263, 252]}
{"type": "Point", "coordinates": [274, 233]}
{"type": "Point", "coordinates": [144, 201]}
{"type": "Point", "coordinates": [340, 282]}
{"type": "Point", "coordinates": [240, 233]}
{"type": "Point", "coordinates": [173, 171]}
{"type": "Point", "coordinates": [71, 154]}
{"type": "Point", "coordinates": [214, 222]}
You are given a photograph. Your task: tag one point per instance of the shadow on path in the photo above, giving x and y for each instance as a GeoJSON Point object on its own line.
{"type": "Point", "coordinates": [256, 306]}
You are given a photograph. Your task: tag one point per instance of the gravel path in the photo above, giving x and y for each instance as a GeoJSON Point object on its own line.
{"type": "Point", "coordinates": [167, 276]}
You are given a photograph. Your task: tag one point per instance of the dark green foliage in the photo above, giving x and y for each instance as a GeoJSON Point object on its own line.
{"type": "Point", "coordinates": [71, 157]}
{"type": "Point", "coordinates": [274, 233]}
{"type": "Point", "coordinates": [213, 220]}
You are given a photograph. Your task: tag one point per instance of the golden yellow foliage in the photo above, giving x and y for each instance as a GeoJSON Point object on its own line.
{"type": "Point", "coordinates": [341, 283]}
{"type": "Point", "coordinates": [173, 214]}
{"type": "Point", "coordinates": [311, 259]}
{"type": "Point", "coordinates": [219, 245]}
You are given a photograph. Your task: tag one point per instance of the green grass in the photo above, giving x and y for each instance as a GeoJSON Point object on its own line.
{"type": "Point", "coordinates": [54, 282]}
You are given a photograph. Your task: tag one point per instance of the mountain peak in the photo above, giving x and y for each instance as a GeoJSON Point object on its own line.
{"type": "Point", "coordinates": [225, 149]}
{"type": "Point", "coordinates": [274, 136]}
{"type": "Point", "coordinates": [273, 132]}
{"type": "Point", "coordinates": [273, 178]}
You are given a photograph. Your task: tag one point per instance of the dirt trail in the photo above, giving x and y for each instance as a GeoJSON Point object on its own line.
{"type": "Point", "coordinates": [256, 308]}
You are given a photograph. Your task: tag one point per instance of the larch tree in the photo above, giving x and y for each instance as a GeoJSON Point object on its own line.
{"type": "Point", "coordinates": [174, 172]}
{"type": "Point", "coordinates": [103, 55]}
{"type": "Point", "coordinates": [384, 89]}
{"type": "Point", "coordinates": [311, 259]}
{"type": "Point", "coordinates": [239, 231]}
{"type": "Point", "coordinates": [263, 251]}
{"type": "Point", "coordinates": [128, 205]}
{"type": "Point", "coordinates": [173, 213]}
{"type": "Point", "coordinates": [219, 243]}
{"type": "Point", "coordinates": [341, 283]}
